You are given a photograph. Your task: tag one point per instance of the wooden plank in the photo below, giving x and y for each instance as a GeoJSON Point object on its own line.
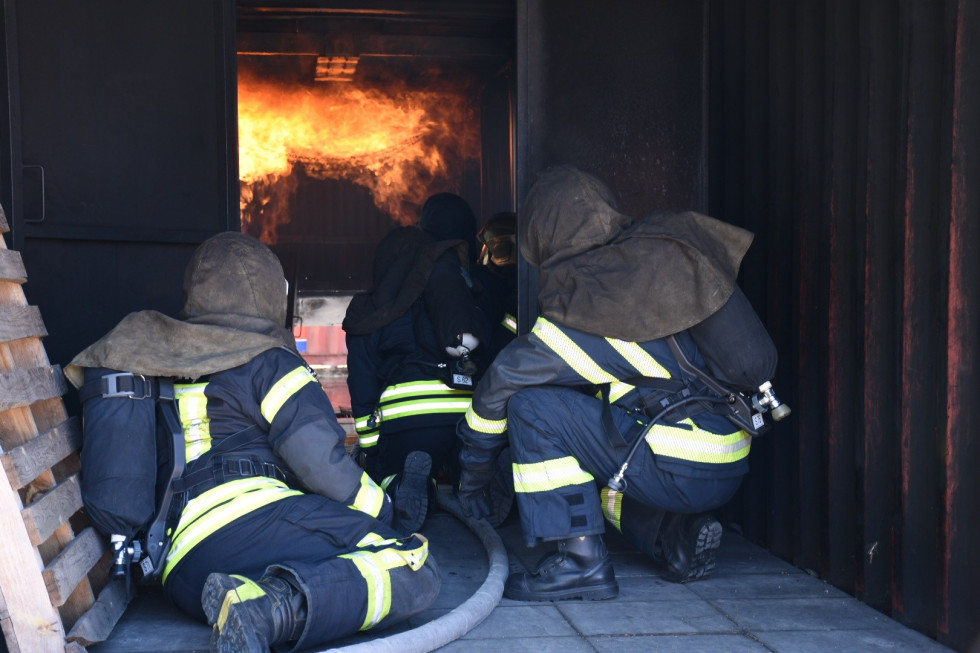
{"type": "Point", "coordinates": [12, 266]}
{"type": "Point", "coordinates": [43, 517]}
{"type": "Point", "coordinates": [21, 322]}
{"type": "Point", "coordinates": [30, 623]}
{"type": "Point", "coordinates": [67, 570]}
{"type": "Point", "coordinates": [25, 463]}
{"type": "Point", "coordinates": [22, 387]}
{"type": "Point", "coordinates": [96, 624]}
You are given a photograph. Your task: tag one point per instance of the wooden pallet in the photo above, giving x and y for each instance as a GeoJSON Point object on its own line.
{"type": "Point", "coordinates": [52, 562]}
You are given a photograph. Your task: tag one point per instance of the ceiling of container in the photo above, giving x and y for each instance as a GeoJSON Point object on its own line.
{"type": "Point", "coordinates": [387, 37]}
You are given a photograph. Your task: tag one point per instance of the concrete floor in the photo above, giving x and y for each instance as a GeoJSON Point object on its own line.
{"type": "Point", "coordinates": [753, 602]}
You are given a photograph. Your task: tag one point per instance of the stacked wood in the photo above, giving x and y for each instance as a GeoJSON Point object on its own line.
{"type": "Point", "coordinates": [52, 562]}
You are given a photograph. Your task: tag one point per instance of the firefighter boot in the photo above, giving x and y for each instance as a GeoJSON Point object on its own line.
{"type": "Point", "coordinates": [252, 616]}
{"type": "Point", "coordinates": [580, 569]}
{"type": "Point", "coordinates": [688, 544]}
{"type": "Point", "coordinates": [410, 493]}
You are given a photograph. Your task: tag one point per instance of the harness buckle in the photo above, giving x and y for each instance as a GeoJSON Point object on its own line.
{"type": "Point", "coordinates": [112, 386]}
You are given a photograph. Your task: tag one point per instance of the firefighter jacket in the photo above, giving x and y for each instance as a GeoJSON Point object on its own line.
{"type": "Point", "coordinates": [701, 444]}
{"type": "Point", "coordinates": [399, 373]}
{"type": "Point", "coordinates": [399, 379]}
{"type": "Point", "coordinates": [279, 398]}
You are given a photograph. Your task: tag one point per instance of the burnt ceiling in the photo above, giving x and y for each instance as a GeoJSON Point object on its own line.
{"type": "Point", "coordinates": [384, 38]}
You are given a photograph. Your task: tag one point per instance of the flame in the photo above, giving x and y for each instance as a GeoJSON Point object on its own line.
{"type": "Point", "coordinates": [401, 145]}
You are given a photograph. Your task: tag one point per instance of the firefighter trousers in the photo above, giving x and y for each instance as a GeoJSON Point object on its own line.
{"type": "Point", "coordinates": [355, 572]}
{"type": "Point", "coordinates": [562, 457]}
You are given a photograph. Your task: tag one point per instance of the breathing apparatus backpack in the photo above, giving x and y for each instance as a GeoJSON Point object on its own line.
{"type": "Point", "coordinates": [132, 452]}
{"type": "Point", "coordinates": [741, 361]}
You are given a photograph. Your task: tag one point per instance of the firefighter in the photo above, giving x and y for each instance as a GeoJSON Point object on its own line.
{"type": "Point", "coordinates": [281, 539]}
{"type": "Point", "coordinates": [497, 276]}
{"type": "Point", "coordinates": [572, 395]}
{"type": "Point", "coordinates": [409, 338]}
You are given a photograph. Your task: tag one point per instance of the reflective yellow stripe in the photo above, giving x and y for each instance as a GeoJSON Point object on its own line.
{"type": "Point", "coordinates": [219, 507]}
{"type": "Point", "coordinates": [386, 481]}
{"type": "Point", "coordinates": [639, 358]}
{"type": "Point", "coordinates": [697, 445]}
{"type": "Point", "coordinates": [549, 475]}
{"type": "Point", "coordinates": [419, 388]}
{"type": "Point", "coordinates": [370, 498]}
{"type": "Point", "coordinates": [192, 405]}
{"type": "Point", "coordinates": [618, 390]}
{"type": "Point", "coordinates": [509, 322]}
{"type": "Point", "coordinates": [378, 583]}
{"type": "Point", "coordinates": [426, 407]}
{"type": "Point", "coordinates": [362, 424]}
{"type": "Point", "coordinates": [482, 425]}
{"type": "Point", "coordinates": [366, 440]}
{"type": "Point", "coordinates": [612, 507]}
{"type": "Point", "coordinates": [572, 354]}
{"type": "Point", "coordinates": [285, 388]}
{"type": "Point", "coordinates": [374, 567]}
{"type": "Point", "coordinates": [373, 539]}
{"type": "Point", "coordinates": [247, 591]}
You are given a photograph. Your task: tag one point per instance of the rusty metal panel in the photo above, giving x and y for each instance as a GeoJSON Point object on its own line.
{"type": "Point", "coordinates": [855, 124]}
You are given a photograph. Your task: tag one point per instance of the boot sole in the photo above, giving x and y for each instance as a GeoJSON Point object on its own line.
{"type": "Point", "coordinates": [703, 562]}
{"type": "Point", "coordinates": [413, 492]}
{"type": "Point", "coordinates": [597, 593]}
{"type": "Point", "coordinates": [235, 635]}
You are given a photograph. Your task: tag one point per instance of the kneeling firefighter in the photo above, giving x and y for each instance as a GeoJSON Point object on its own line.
{"type": "Point", "coordinates": [614, 382]}
{"type": "Point", "coordinates": [273, 534]}
{"type": "Point", "coordinates": [409, 344]}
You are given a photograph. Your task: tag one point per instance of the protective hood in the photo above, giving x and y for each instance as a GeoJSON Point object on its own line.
{"type": "Point", "coordinates": [448, 217]}
{"type": "Point", "coordinates": [601, 272]}
{"type": "Point", "coordinates": [234, 309]}
{"type": "Point", "coordinates": [403, 262]}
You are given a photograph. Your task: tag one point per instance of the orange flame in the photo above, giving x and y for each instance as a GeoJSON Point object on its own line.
{"type": "Point", "coordinates": [401, 146]}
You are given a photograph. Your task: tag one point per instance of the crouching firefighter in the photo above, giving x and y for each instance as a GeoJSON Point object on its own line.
{"type": "Point", "coordinates": [614, 382]}
{"type": "Point", "coordinates": [258, 522]}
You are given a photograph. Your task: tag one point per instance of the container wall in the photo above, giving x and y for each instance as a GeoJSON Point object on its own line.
{"type": "Point", "coordinates": [844, 135]}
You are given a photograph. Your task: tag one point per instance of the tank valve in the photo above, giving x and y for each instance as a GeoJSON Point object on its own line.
{"type": "Point", "coordinates": [766, 401]}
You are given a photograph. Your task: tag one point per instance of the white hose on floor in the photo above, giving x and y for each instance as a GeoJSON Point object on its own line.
{"type": "Point", "coordinates": [466, 616]}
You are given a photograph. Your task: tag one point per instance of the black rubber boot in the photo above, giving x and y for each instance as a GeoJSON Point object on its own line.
{"type": "Point", "coordinates": [410, 493]}
{"type": "Point", "coordinates": [687, 547]}
{"type": "Point", "coordinates": [250, 616]}
{"type": "Point", "coordinates": [580, 569]}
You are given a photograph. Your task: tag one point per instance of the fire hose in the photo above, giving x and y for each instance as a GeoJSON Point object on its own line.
{"type": "Point", "coordinates": [466, 616]}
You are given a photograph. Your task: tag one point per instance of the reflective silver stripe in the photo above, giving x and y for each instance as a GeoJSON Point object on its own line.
{"type": "Point", "coordinates": [483, 425]}
{"type": "Point", "coordinates": [509, 322]}
{"type": "Point", "coordinates": [612, 507]}
{"type": "Point", "coordinates": [220, 506]}
{"type": "Point", "coordinates": [426, 406]}
{"type": "Point", "coordinates": [370, 498]}
{"type": "Point", "coordinates": [549, 475]}
{"type": "Point", "coordinates": [192, 405]}
{"type": "Point", "coordinates": [378, 582]}
{"type": "Point", "coordinates": [285, 388]}
{"type": "Point", "coordinates": [418, 388]}
{"type": "Point", "coordinates": [697, 445]}
{"type": "Point", "coordinates": [571, 353]}
{"type": "Point", "coordinates": [369, 439]}
{"type": "Point", "coordinates": [639, 358]}
{"type": "Point", "coordinates": [618, 390]}
{"type": "Point", "coordinates": [374, 567]}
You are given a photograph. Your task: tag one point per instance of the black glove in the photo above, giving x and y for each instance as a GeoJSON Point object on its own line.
{"type": "Point", "coordinates": [474, 490]}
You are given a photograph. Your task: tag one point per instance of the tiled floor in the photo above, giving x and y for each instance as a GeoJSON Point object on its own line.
{"type": "Point", "coordinates": [753, 602]}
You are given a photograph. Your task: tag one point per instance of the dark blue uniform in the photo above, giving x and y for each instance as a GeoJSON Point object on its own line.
{"type": "Point", "coordinates": [542, 395]}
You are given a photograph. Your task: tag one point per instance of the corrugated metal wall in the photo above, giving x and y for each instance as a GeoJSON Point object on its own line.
{"type": "Point", "coordinates": [846, 135]}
